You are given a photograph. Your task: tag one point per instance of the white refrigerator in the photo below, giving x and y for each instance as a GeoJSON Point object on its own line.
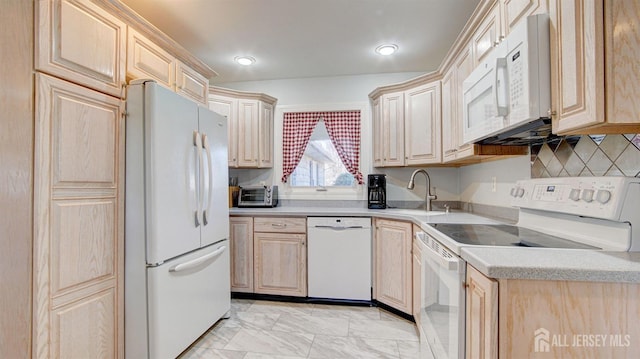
{"type": "Point", "coordinates": [176, 221]}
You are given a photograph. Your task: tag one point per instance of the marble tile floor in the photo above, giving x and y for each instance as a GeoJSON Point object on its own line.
{"type": "Point", "coordinates": [279, 330]}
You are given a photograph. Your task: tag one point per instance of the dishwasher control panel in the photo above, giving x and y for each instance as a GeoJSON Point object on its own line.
{"type": "Point", "coordinates": [338, 222]}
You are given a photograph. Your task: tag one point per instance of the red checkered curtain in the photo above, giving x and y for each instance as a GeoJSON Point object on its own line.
{"type": "Point", "coordinates": [296, 131]}
{"type": "Point", "coordinates": [344, 130]}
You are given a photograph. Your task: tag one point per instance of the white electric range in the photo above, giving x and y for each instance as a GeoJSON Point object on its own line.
{"type": "Point", "coordinates": [578, 213]}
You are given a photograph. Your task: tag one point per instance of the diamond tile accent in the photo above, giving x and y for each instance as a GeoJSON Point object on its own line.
{"type": "Point", "coordinates": [585, 148]}
{"type": "Point", "coordinates": [597, 138]}
{"type": "Point", "coordinates": [586, 173]}
{"type": "Point", "coordinates": [629, 161]}
{"type": "Point", "coordinates": [613, 145]}
{"type": "Point", "coordinates": [572, 140]}
{"type": "Point", "coordinates": [545, 155]}
{"type": "Point", "coordinates": [587, 155]}
{"type": "Point", "coordinates": [563, 152]}
{"type": "Point", "coordinates": [614, 171]}
{"type": "Point", "coordinates": [554, 167]}
{"type": "Point", "coordinates": [636, 141]}
{"type": "Point", "coordinates": [537, 169]}
{"type": "Point", "coordinates": [599, 163]}
{"type": "Point", "coordinates": [574, 165]}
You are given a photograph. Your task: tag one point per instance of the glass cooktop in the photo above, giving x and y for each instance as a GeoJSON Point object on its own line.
{"type": "Point", "coordinates": [504, 235]}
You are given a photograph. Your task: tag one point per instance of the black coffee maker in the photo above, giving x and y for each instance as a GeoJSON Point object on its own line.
{"type": "Point", "coordinates": [377, 191]}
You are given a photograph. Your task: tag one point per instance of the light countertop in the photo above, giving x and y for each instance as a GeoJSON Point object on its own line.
{"type": "Point", "coordinates": [494, 262]}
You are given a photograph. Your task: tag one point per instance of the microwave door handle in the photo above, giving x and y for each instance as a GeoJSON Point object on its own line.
{"type": "Point", "coordinates": [198, 143]}
{"type": "Point", "coordinates": [207, 204]}
{"type": "Point", "coordinates": [501, 87]}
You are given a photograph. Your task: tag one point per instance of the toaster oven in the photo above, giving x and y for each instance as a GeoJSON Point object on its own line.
{"type": "Point", "coordinates": [258, 196]}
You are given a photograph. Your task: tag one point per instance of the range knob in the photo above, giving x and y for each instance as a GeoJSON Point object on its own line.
{"type": "Point", "coordinates": [587, 195]}
{"type": "Point", "coordinates": [574, 195]}
{"type": "Point", "coordinates": [520, 192]}
{"type": "Point", "coordinates": [513, 191]}
{"type": "Point", "coordinates": [603, 196]}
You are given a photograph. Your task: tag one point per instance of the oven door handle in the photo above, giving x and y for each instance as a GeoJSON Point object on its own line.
{"type": "Point", "coordinates": [450, 263]}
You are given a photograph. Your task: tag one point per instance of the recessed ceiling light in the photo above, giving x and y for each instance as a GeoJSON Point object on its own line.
{"type": "Point", "coordinates": [245, 60]}
{"type": "Point", "coordinates": [387, 49]}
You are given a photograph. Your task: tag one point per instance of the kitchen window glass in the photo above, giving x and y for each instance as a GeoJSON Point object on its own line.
{"type": "Point", "coordinates": [320, 165]}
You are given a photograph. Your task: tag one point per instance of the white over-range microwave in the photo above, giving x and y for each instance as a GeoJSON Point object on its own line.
{"type": "Point", "coordinates": [512, 86]}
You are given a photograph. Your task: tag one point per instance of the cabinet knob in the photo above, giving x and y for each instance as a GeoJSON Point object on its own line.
{"type": "Point", "coordinates": [551, 113]}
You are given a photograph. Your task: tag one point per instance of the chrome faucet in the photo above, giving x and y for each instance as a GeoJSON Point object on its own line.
{"type": "Point", "coordinates": [428, 196]}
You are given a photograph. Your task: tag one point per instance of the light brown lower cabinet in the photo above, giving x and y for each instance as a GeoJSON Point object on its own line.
{"type": "Point", "coordinates": [241, 244]}
{"type": "Point", "coordinates": [482, 316]}
{"type": "Point", "coordinates": [519, 318]}
{"type": "Point", "coordinates": [280, 256]}
{"type": "Point", "coordinates": [78, 247]}
{"type": "Point", "coordinates": [280, 264]}
{"type": "Point", "coordinates": [393, 264]}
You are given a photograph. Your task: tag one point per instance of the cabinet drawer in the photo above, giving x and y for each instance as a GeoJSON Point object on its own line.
{"type": "Point", "coordinates": [280, 224]}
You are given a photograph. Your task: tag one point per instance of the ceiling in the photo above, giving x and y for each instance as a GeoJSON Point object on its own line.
{"type": "Point", "coordinates": [310, 38]}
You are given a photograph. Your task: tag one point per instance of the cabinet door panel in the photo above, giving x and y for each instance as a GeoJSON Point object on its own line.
{"type": "Point", "coordinates": [517, 10]}
{"type": "Point", "coordinates": [464, 66]}
{"type": "Point", "coordinates": [83, 242]}
{"type": "Point", "coordinates": [226, 106]}
{"type": "Point", "coordinates": [577, 63]}
{"type": "Point", "coordinates": [280, 264]}
{"type": "Point", "coordinates": [482, 316]}
{"type": "Point", "coordinates": [266, 135]}
{"type": "Point", "coordinates": [86, 329]}
{"type": "Point", "coordinates": [377, 133]}
{"type": "Point", "coordinates": [248, 132]}
{"type": "Point", "coordinates": [422, 125]}
{"type": "Point", "coordinates": [393, 264]}
{"type": "Point", "coordinates": [78, 222]}
{"type": "Point", "coordinates": [84, 140]}
{"type": "Point", "coordinates": [487, 34]}
{"type": "Point", "coordinates": [449, 101]}
{"type": "Point", "coordinates": [191, 84]}
{"type": "Point", "coordinates": [393, 129]}
{"type": "Point", "coordinates": [622, 51]}
{"type": "Point", "coordinates": [241, 243]}
{"type": "Point", "coordinates": [148, 60]}
{"type": "Point", "coordinates": [79, 41]}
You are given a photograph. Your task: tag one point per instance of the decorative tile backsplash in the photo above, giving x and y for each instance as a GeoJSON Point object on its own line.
{"type": "Point", "coordinates": [587, 155]}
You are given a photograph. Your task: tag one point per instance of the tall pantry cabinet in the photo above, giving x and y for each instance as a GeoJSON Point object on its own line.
{"type": "Point", "coordinates": [78, 181]}
{"type": "Point", "coordinates": [63, 66]}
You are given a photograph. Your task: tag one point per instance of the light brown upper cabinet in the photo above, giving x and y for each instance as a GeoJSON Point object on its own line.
{"type": "Point", "coordinates": [422, 125]}
{"type": "Point", "coordinates": [501, 17]}
{"type": "Point", "coordinates": [406, 124]}
{"type": "Point", "coordinates": [595, 86]}
{"type": "Point", "coordinates": [147, 60]}
{"type": "Point", "coordinates": [250, 128]}
{"type": "Point", "coordinates": [514, 11]}
{"type": "Point", "coordinates": [488, 34]}
{"type": "Point", "coordinates": [80, 42]}
{"type": "Point", "coordinates": [391, 135]}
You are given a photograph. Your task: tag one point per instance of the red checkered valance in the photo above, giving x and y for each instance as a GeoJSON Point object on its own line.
{"type": "Point", "coordinates": [344, 131]}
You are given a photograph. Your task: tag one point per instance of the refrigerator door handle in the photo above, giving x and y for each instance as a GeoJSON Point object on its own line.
{"type": "Point", "coordinates": [198, 143]}
{"type": "Point", "coordinates": [207, 204]}
{"type": "Point", "coordinates": [198, 261]}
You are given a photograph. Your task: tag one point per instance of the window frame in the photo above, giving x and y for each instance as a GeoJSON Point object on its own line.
{"type": "Point", "coordinates": [355, 192]}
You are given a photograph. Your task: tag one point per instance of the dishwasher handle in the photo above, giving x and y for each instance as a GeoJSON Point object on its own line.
{"type": "Point", "coordinates": [338, 228]}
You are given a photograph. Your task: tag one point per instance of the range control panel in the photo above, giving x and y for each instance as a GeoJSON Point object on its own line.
{"type": "Point", "coordinates": [600, 197]}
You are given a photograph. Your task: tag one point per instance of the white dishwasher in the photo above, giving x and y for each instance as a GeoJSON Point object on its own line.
{"type": "Point", "coordinates": [339, 257]}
